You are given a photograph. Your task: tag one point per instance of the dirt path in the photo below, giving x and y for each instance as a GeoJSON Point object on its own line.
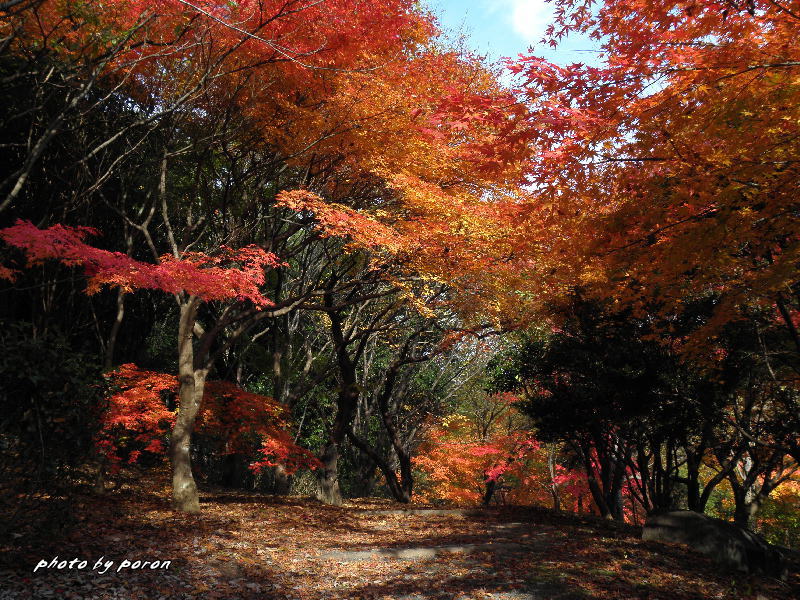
{"type": "Point", "coordinates": [246, 546]}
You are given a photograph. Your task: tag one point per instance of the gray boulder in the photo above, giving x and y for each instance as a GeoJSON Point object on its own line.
{"type": "Point", "coordinates": [727, 544]}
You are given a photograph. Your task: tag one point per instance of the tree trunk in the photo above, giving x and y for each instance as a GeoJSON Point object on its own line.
{"type": "Point", "coordinates": [184, 489]}
{"type": "Point", "coordinates": [108, 360]}
{"type": "Point", "coordinates": [402, 489]}
{"type": "Point", "coordinates": [551, 465]}
{"type": "Point", "coordinates": [328, 490]}
{"type": "Point", "coordinates": [99, 486]}
{"type": "Point", "coordinates": [406, 477]}
{"type": "Point", "coordinates": [607, 493]}
{"type": "Point", "coordinates": [192, 383]}
{"type": "Point", "coordinates": [491, 486]}
{"type": "Point", "coordinates": [749, 501]}
{"type": "Point", "coordinates": [597, 489]}
{"type": "Point", "coordinates": [399, 487]}
{"type": "Point", "coordinates": [743, 514]}
{"type": "Point", "coordinates": [615, 504]}
{"type": "Point", "coordinates": [599, 498]}
{"type": "Point", "coordinates": [693, 498]}
{"type": "Point", "coordinates": [282, 481]}
{"type": "Point", "coordinates": [556, 498]}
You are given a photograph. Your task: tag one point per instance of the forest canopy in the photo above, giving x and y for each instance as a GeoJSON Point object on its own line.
{"type": "Point", "coordinates": [319, 247]}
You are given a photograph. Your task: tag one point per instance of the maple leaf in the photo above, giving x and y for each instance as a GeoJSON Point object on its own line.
{"type": "Point", "coordinates": [229, 274]}
{"type": "Point", "coordinates": [137, 419]}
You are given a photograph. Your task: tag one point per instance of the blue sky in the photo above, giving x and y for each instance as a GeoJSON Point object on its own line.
{"type": "Point", "coordinates": [507, 27]}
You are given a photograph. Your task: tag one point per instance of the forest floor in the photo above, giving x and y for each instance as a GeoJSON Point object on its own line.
{"type": "Point", "coordinates": [249, 546]}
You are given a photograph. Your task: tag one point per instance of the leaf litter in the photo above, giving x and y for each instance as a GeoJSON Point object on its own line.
{"type": "Point", "coordinates": [247, 546]}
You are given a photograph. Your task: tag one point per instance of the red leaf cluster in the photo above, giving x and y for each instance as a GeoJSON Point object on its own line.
{"type": "Point", "coordinates": [229, 274]}
{"type": "Point", "coordinates": [137, 419]}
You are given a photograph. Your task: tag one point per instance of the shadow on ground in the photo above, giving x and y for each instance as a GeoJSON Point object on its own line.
{"type": "Point", "coordinates": [251, 546]}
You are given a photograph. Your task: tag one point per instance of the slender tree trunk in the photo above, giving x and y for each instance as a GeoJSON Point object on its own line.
{"type": "Point", "coordinates": [551, 465]}
{"type": "Point", "coordinates": [108, 360]}
{"type": "Point", "coordinates": [749, 501]}
{"type": "Point", "coordinates": [329, 491]}
{"type": "Point", "coordinates": [597, 492]}
{"type": "Point", "coordinates": [400, 488]}
{"type": "Point", "coordinates": [99, 486]}
{"type": "Point", "coordinates": [746, 509]}
{"type": "Point", "coordinates": [597, 496]}
{"type": "Point", "coordinates": [184, 489]}
{"type": "Point", "coordinates": [742, 516]}
{"type": "Point", "coordinates": [556, 498]}
{"type": "Point", "coordinates": [615, 503]}
{"type": "Point", "coordinates": [607, 493]}
{"type": "Point", "coordinates": [192, 383]}
{"type": "Point", "coordinates": [406, 476]}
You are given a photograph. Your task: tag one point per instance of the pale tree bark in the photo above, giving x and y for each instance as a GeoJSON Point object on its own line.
{"type": "Point", "coordinates": [553, 487]}
{"type": "Point", "coordinates": [193, 368]}
{"type": "Point", "coordinates": [108, 358]}
{"type": "Point", "coordinates": [192, 383]}
{"type": "Point", "coordinates": [753, 480]}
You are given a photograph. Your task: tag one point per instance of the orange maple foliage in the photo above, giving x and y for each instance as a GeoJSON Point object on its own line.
{"type": "Point", "coordinates": [337, 220]}
{"type": "Point", "coordinates": [668, 171]}
{"type": "Point", "coordinates": [462, 453]}
{"type": "Point", "coordinates": [365, 87]}
{"type": "Point", "coordinates": [143, 38]}
{"type": "Point", "coordinates": [443, 147]}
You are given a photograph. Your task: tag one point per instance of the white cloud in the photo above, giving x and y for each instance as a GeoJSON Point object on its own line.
{"type": "Point", "coordinates": [527, 18]}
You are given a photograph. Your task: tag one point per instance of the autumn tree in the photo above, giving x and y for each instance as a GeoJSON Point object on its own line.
{"type": "Point", "coordinates": [757, 421]}
{"type": "Point", "coordinates": [668, 167]}
{"type": "Point", "coordinates": [193, 279]}
{"type": "Point", "coordinates": [620, 402]}
{"type": "Point", "coordinates": [406, 376]}
{"type": "Point", "coordinates": [484, 445]}
{"type": "Point", "coordinates": [141, 412]}
{"type": "Point", "coordinates": [183, 124]}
